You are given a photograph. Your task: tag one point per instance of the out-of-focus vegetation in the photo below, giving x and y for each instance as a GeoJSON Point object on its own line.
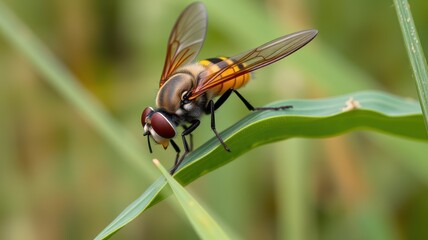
{"type": "Point", "coordinates": [61, 179]}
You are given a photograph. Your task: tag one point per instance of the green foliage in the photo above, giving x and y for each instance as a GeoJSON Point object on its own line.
{"type": "Point", "coordinates": [68, 86]}
{"type": "Point", "coordinates": [415, 52]}
{"type": "Point", "coordinates": [202, 221]}
{"type": "Point", "coordinates": [308, 118]}
{"type": "Point", "coordinates": [71, 144]}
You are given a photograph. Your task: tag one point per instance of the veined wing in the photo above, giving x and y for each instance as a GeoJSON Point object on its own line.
{"type": "Point", "coordinates": [251, 60]}
{"type": "Point", "coordinates": [185, 40]}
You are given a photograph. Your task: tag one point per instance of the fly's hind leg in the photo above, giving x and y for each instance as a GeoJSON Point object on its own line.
{"type": "Point", "coordinates": [214, 106]}
{"type": "Point", "coordinates": [251, 108]}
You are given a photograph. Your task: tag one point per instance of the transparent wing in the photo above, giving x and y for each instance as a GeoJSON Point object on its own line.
{"type": "Point", "coordinates": [251, 60]}
{"type": "Point", "coordinates": [186, 39]}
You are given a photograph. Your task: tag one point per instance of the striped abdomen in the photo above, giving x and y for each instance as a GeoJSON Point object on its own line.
{"type": "Point", "coordinates": [234, 83]}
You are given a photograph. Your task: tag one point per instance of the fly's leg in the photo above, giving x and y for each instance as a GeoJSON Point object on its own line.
{"type": "Point", "coordinates": [211, 109]}
{"type": "Point", "coordinates": [190, 137]}
{"type": "Point", "coordinates": [187, 149]}
{"type": "Point", "coordinates": [214, 106]}
{"type": "Point", "coordinates": [251, 108]}
{"type": "Point", "coordinates": [177, 150]}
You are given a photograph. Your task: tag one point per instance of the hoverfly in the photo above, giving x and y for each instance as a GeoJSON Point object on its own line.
{"type": "Point", "coordinates": [187, 88]}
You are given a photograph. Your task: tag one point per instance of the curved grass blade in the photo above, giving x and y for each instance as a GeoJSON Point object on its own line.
{"type": "Point", "coordinates": [202, 222]}
{"type": "Point", "coordinates": [415, 52]}
{"type": "Point", "coordinates": [309, 118]}
{"type": "Point", "coordinates": [61, 79]}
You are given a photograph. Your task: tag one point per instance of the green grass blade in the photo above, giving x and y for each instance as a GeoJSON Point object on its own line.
{"type": "Point", "coordinates": [415, 52]}
{"type": "Point", "coordinates": [68, 86]}
{"type": "Point", "coordinates": [202, 222]}
{"type": "Point", "coordinates": [309, 118]}
{"type": "Point", "coordinates": [293, 192]}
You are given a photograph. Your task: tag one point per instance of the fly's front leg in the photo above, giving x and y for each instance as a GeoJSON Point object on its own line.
{"type": "Point", "coordinates": [177, 151]}
{"type": "Point", "coordinates": [187, 149]}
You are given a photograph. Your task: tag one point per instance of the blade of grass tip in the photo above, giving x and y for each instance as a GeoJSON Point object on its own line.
{"type": "Point", "coordinates": [415, 52]}
{"type": "Point", "coordinates": [67, 85]}
{"type": "Point", "coordinates": [202, 222]}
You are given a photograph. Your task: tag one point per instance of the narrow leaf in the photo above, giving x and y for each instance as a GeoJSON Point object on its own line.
{"type": "Point", "coordinates": [415, 53]}
{"type": "Point", "coordinates": [61, 79]}
{"type": "Point", "coordinates": [309, 118]}
{"type": "Point", "coordinates": [202, 222]}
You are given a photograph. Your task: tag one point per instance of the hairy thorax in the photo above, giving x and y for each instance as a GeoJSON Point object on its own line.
{"type": "Point", "coordinates": [170, 95]}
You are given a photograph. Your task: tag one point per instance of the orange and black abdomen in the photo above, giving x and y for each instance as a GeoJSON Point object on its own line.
{"type": "Point", "coordinates": [237, 82]}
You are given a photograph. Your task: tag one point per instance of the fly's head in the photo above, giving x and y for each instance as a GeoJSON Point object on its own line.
{"type": "Point", "coordinates": [159, 125]}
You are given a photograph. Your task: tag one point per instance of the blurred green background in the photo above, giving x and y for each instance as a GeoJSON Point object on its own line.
{"type": "Point", "coordinates": [60, 179]}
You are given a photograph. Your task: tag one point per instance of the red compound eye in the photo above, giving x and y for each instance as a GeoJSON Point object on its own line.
{"type": "Point", "coordinates": [162, 125]}
{"type": "Point", "coordinates": [147, 111]}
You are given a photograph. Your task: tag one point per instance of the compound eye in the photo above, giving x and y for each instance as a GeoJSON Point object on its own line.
{"type": "Point", "coordinates": [147, 111]}
{"type": "Point", "coordinates": [162, 125]}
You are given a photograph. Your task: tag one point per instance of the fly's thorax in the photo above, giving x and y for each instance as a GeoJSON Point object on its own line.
{"type": "Point", "coordinates": [171, 94]}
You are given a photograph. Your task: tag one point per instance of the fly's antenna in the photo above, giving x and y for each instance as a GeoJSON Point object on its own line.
{"type": "Point", "coordinates": [148, 142]}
